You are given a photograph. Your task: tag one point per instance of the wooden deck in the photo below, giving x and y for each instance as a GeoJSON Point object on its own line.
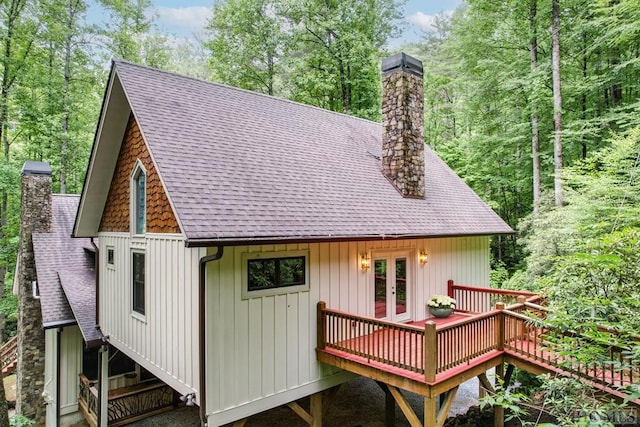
{"type": "Point", "coordinates": [435, 356]}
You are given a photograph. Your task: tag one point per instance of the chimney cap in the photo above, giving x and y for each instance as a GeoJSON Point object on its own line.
{"type": "Point", "coordinates": [402, 62]}
{"type": "Point", "coordinates": [36, 168]}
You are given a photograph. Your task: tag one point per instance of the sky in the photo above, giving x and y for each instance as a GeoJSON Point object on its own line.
{"type": "Point", "coordinates": [186, 17]}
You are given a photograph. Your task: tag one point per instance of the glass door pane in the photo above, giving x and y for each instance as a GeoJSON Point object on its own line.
{"type": "Point", "coordinates": [380, 273]}
{"type": "Point", "coordinates": [401, 286]}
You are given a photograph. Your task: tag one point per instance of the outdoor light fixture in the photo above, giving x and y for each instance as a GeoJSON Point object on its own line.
{"type": "Point", "coordinates": [423, 257]}
{"type": "Point", "coordinates": [365, 261]}
{"type": "Point", "coordinates": [189, 399]}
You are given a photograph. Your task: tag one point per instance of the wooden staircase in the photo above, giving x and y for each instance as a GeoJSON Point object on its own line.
{"type": "Point", "coordinates": [9, 356]}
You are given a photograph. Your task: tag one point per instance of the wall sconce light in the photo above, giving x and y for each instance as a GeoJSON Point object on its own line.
{"type": "Point", "coordinates": [365, 261]}
{"type": "Point", "coordinates": [189, 399]}
{"type": "Point", "coordinates": [423, 257]}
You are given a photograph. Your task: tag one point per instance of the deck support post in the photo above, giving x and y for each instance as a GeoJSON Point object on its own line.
{"type": "Point", "coordinates": [389, 405]}
{"type": "Point", "coordinates": [314, 416]}
{"type": "Point", "coordinates": [316, 410]}
{"type": "Point", "coordinates": [430, 411]}
{"type": "Point", "coordinates": [498, 411]}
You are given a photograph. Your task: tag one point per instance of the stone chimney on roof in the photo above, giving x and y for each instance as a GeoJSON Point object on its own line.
{"type": "Point", "coordinates": [35, 217]}
{"type": "Point", "coordinates": [403, 124]}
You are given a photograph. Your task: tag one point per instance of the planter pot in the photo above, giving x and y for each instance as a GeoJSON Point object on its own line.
{"type": "Point", "coordinates": [440, 312]}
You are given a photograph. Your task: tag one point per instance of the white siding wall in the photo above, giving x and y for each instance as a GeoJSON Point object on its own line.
{"type": "Point", "coordinates": [70, 368]}
{"type": "Point", "coordinates": [164, 341]}
{"type": "Point", "coordinates": [261, 351]}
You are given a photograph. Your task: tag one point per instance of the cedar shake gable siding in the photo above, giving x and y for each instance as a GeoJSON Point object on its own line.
{"type": "Point", "coordinates": [116, 218]}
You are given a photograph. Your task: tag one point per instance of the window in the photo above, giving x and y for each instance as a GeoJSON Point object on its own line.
{"type": "Point", "coordinates": [275, 272]}
{"type": "Point", "coordinates": [138, 282]}
{"type": "Point", "coordinates": [110, 257]}
{"type": "Point", "coordinates": [139, 200]}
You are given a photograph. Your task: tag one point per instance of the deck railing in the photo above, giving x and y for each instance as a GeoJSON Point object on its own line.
{"type": "Point", "coordinates": [88, 400]}
{"type": "Point", "coordinates": [473, 299]}
{"type": "Point", "coordinates": [430, 350]}
{"type": "Point", "coordinates": [9, 356]}
{"type": "Point", "coordinates": [460, 342]}
{"type": "Point", "coordinates": [392, 344]}
{"type": "Point", "coordinates": [535, 340]}
{"type": "Point", "coordinates": [125, 404]}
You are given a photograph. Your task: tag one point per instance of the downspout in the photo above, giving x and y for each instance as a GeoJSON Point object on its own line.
{"type": "Point", "coordinates": [202, 329]}
{"type": "Point", "coordinates": [58, 370]}
{"type": "Point", "coordinates": [97, 270]}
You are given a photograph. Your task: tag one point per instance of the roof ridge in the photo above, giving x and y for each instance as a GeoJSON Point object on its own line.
{"type": "Point", "coordinates": [277, 98]}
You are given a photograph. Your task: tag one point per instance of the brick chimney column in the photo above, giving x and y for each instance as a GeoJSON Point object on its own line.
{"type": "Point", "coordinates": [403, 124]}
{"type": "Point", "coordinates": [35, 217]}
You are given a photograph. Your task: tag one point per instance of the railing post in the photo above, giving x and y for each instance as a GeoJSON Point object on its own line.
{"type": "Point", "coordinates": [450, 288]}
{"type": "Point", "coordinates": [500, 321]}
{"type": "Point", "coordinates": [430, 351]}
{"type": "Point", "coordinates": [322, 325]}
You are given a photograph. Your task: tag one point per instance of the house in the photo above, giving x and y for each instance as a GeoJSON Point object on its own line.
{"type": "Point", "coordinates": [224, 216]}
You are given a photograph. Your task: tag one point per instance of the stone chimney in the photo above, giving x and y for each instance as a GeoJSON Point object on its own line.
{"type": "Point", "coordinates": [35, 217]}
{"type": "Point", "coordinates": [403, 124]}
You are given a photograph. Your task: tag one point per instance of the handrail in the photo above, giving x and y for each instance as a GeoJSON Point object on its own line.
{"type": "Point", "coordinates": [474, 299]}
{"type": "Point", "coordinates": [532, 338]}
{"type": "Point", "coordinates": [371, 338]}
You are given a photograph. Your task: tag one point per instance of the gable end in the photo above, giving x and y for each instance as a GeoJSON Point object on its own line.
{"type": "Point", "coordinates": [116, 215]}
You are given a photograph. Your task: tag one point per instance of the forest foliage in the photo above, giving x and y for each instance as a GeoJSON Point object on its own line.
{"type": "Point", "coordinates": [491, 112]}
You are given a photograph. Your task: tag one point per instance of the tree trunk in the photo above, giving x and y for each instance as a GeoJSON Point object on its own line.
{"type": "Point", "coordinates": [4, 408]}
{"type": "Point", "coordinates": [535, 133]}
{"type": "Point", "coordinates": [557, 103]}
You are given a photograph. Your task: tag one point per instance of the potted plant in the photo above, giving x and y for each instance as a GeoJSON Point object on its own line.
{"type": "Point", "coordinates": [441, 305]}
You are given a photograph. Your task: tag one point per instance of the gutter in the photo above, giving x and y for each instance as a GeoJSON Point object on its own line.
{"type": "Point", "coordinates": [275, 240]}
{"type": "Point", "coordinates": [202, 329]}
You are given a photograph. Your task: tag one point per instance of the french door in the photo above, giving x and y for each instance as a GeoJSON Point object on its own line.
{"type": "Point", "coordinates": [391, 285]}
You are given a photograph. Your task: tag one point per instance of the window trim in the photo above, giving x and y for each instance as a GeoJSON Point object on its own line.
{"type": "Point", "coordinates": [248, 256]}
{"type": "Point", "coordinates": [138, 170]}
{"type": "Point", "coordinates": [135, 310]}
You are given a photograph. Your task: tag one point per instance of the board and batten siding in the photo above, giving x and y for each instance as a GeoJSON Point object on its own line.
{"type": "Point", "coordinates": [261, 350]}
{"type": "Point", "coordinates": [70, 367]}
{"type": "Point", "coordinates": [165, 339]}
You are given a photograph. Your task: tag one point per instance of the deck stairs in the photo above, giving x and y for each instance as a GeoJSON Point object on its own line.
{"type": "Point", "coordinates": [9, 356]}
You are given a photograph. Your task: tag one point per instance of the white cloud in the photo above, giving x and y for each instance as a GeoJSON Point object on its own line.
{"type": "Point", "coordinates": [193, 18]}
{"type": "Point", "coordinates": [427, 22]}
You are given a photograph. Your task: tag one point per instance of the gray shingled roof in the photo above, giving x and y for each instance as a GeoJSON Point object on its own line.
{"type": "Point", "coordinates": [243, 166]}
{"type": "Point", "coordinates": [66, 272]}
